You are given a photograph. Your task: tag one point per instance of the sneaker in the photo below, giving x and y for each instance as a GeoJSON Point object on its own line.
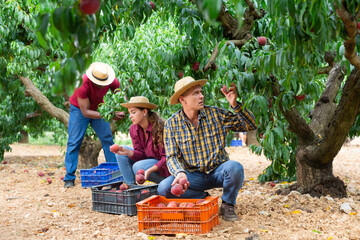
{"type": "Point", "coordinates": [69, 184]}
{"type": "Point", "coordinates": [228, 213]}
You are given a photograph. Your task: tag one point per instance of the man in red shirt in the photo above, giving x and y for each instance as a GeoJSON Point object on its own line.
{"type": "Point", "coordinates": [84, 102]}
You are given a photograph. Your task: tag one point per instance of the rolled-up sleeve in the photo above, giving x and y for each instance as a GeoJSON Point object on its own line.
{"type": "Point", "coordinates": [241, 121]}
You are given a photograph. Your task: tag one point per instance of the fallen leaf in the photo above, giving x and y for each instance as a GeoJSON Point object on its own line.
{"type": "Point", "coordinates": [251, 179]}
{"type": "Point", "coordinates": [353, 213]}
{"type": "Point", "coordinates": [263, 230]}
{"type": "Point", "coordinates": [286, 206]}
{"type": "Point", "coordinates": [329, 238]}
{"type": "Point", "coordinates": [316, 231]}
{"type": "Point", "coordinates": [71, 205]}
{"type": "Point", "coordinates": [295, 212]}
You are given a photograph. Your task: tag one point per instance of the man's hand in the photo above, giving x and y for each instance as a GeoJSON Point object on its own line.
{"type": "Point", "coordinates": [179, 176]}
{"type": "Point", "coordinates": [230, 94]}
{"type": "Point", "coordinates": [119, 116]}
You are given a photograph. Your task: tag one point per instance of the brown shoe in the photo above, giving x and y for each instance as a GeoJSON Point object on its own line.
{"type": "Point", "coordinates": [228, 213]}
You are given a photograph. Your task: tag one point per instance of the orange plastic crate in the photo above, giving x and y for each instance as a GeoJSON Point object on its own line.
{"type": "Point", "coordinates": [199, 219]}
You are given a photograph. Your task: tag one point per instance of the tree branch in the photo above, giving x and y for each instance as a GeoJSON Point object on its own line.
{"type": "Point", "coordinates": [297, 123]}
{"type": "Point", "coordinates": [329, 58]}
{"type": "Point", "coordinates": [340, 123]}
{"type": "Point", "coordinates": [325, 107]}
{"type": "Point", "coordinates": [44, 102]}
{"type": "Point", "coordinates": [231, 29]}
{"type": "Point", "coordinates": [350, 43]}
{"type": "Point", "coordinates": [34, 114]}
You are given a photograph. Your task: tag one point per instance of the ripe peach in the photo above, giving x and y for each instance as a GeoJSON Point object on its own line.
{"type": "Point", "coordinates": [41, 174]}
{"type": "Point", "coordinates": [140, 179]}
{"type": "Point", "coordinates": [114, 148]}
{"type": "Point", "coordinates": [181, 74]}
{"type": "Point", "coordinates": [177, 189]}
{"type": "Point", "coordinates": [49, 181]}
{"type": "Point", "coordinates": [160, 205]}
{"type": "Point", "coordinates": [183, 181]}
{"type": "Point", "coordinates": [195, 66]}
{"type": "Point", "coordinates": [124, 186]}
{"type": "Point", "coordinates": [141, 171]}
{"type": "Point", "coordinates": [4, 162]}
{"type": "Point", "coordinates": [152, 5]}
{"type": "Point", "coordinates": [200, 201]}
{"type": "Point", "coordinates": [26, 171]}
{"type": "Point", "coordinates": [224, 88]}
{"type": "Point", "coordinates": [262, 41]}
{"type": "Point", "coordinates": [183, 204]}
{"type": "Point", "coordinates": [190, 205]}
{"type": "Point", "coordinates": [118, 191]}
{"type": "Point", "coordinates": [358, 25]}
{"type": "Point", "coordinates": [62, 178]}
{"type": "Point", "coordinates": [89, 6]}
{"type": "Point", "coordinates": [172, 204]}
{"type": "Point", "coordinates": [300, 97]}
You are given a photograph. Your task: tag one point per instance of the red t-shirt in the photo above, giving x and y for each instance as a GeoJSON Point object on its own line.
{"type": "Point", "coordinates": [95, 94]}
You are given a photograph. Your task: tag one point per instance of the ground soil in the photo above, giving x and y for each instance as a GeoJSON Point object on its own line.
{"type": "Point", "coordinates": [33, 209]}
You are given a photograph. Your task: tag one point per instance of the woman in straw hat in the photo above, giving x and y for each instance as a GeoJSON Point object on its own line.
{"type": "Point", "coordinates": [147, 137]}
{"type": "Point", "coordinates": [97, 81]}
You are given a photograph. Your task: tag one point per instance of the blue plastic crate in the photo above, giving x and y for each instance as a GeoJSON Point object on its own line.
{"type": "Point", "coordinates": [104, 173]}
{"type": "Point", "coordinates": [235, 143]}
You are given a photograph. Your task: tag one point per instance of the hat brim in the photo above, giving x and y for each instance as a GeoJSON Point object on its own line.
{"type": "Point", "coordinates": [175, 97]}
{"type": "Point", "coordinates": [150, 106]}
{"type": "Point", "coordinates": [107, 82]}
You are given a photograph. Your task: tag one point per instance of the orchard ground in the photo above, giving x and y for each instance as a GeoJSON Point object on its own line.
{"type": "Point", "coordinates": [33, 209]}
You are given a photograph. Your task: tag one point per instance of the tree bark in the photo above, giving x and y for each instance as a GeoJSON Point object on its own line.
{"type": "Point", "coordinates": [24, 137]}
{"type": "Point", "coordinates": [317, 181]}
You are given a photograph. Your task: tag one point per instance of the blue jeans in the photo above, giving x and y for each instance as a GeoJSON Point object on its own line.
{"type": "Point", "coordinates": [128, 168]}
{"type": "Point", "coordinates": [77, 128]}
{"type": "Point", "coordinates": [229, 175]}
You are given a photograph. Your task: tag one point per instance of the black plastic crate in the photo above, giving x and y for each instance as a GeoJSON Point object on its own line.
{"type": "Point", "coordinates": [107, 199]}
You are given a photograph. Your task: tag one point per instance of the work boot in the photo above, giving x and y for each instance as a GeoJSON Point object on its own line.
{"type": "Point", "coordinates": [69, 184]}
{"type": "Point", "coordinates": [228, 213]}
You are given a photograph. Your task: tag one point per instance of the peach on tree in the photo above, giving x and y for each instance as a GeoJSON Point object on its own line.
{"type": "Point", "coordinates": [89, 6]}
{"type": "Point", "coordinates": [262, 41]}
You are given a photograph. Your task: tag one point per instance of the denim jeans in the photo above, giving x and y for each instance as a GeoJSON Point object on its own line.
{"type": "Point", "coordinates": [229, 175]}
{"type": "Point", "coordinates": [77, 128]}
{"type": "Point", "coordinates": [128, 168]}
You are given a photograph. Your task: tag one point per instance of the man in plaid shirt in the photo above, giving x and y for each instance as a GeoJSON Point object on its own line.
{"type": "Point", "coordinates": [195, 140]}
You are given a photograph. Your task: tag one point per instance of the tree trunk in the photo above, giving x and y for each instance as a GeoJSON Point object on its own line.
{"type": "Point", "coordinates": [24, 137]}
{"type": "Point", "coordinates": [318, 181]}
{"type": "Point", "coordinates": [89, 153]}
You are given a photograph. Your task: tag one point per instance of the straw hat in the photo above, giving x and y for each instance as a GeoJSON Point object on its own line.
{"type": "Point", "coordinates": [139, 101]}
{"type": "Point", "coordinates": [182, 86]}
{"type": "Point", "coordinates": [100, 73]}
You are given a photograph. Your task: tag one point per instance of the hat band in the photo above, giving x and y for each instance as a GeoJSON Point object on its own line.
{"type": "Point", "coordinates": [100, 79]}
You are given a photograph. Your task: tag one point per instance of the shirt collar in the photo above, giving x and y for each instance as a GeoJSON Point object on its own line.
{"type": "Point", "coordinates": [138, 127]}
{"type": "Point", "coordinates": [185, 118]}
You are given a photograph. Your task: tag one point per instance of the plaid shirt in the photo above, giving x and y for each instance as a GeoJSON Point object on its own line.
{"type": "Point", "coordinates": [203, 148]}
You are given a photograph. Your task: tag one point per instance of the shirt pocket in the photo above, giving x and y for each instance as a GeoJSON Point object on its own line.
{"type": "Point", "coordinates": [186, 145]}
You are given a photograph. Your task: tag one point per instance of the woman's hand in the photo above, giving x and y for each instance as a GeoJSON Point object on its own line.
{"type": "Point", "coordinates": [151, 170]}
